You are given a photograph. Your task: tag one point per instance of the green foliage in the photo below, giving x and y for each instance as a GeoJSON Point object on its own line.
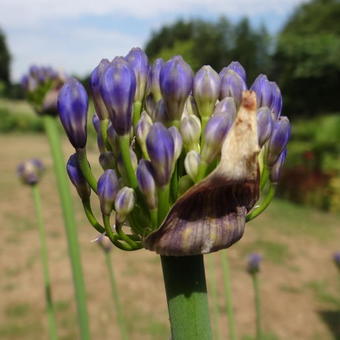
{"type": "Point", "coordinates": [5, 60]}
{"type": "Point", "coordinates": [217, 43]}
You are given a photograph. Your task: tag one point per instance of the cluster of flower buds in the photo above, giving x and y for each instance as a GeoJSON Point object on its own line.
{"type": "Point", "coordinates": [185, 156]}
{"type": "Point", "coordinates": [254, 262]}
{"type": "Point", "coordinates": [30, 171]}
{"type": "Point", "coordinates": [42, 85]}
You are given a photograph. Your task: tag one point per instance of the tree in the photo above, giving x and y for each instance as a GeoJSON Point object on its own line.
{"type": "Point", "coordinates": [307, 59]}
{"type": "Point", "coordinates": [5, 60]}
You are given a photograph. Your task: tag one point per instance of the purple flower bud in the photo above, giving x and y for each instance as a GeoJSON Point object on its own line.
{"type": "Point", "coordinates": [30, 171]}
{"type": "Point", "coordinates": [232, 85]}
{"type": "Point", "coordinates": [107, 160]}
{"type": "Point", "coordinates": [161, 150]}
{"type": "Point", "coordinates": [118, 87]}
{"type": "Point", "coordinates": [263, 90]}
{"type": "Point", "coordinates": [96, 123]}
{"type": "Point", "coordinates": [190, 128]}
{"type": "Point", "coordinates": [214, 134]}
{"type": "Point", "coordinates": [77, 178]}
{"type": "Point", "coordinates": [108, 187]}
{"type": "Point", "coordinates": [72, 107]}
{"type": "Point", "coordinates": [138, 62]}
{"type": "Point", "coordinates": [153, 79]}
{"type": "Point", "coordinates": [178, 141]}
{"type": "Point", "coordinates": [124, 203]}
{"type": "Point", "coordinates": [160, 112]}
{"type": "Point", "coordinates": [278, 140]}
{"type": "Point", "coordinates": [264, 124]}
{"type": "Point", "coordinates": [143, 128]}
{"type": "Point", "coordinates": [150, 106]}
{"type": "Point", "coordinates": [336, 258]}
{"type": "Point", "coordinates": [104, 243]}
{"type": "Point", "coordinates": [146, 183]}
{"type": "Point", "coordinates": [206, 90]}
{"type": "Point", "coordinates": [191, 164]}
{"type": "Point", "coordinates": [276, 168]}
{"type": "Point", "coordinates": [236, 67]}
{"type": "Point", "coordinates": [254, 261]}
{"type": "Point", "coordinates": [95, 80]}
{"type": "Point", "coordinates": [226, 106]}
{"type": "Point", "coordinates": [176, 79]}
{"type": "Point", "coordinates": [112, 138]}
{"type": "Point", "coordinates": [276, 103]}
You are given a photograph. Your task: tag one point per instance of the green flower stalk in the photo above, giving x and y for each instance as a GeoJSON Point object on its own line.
{"type": "Point", "coordinates": [42, 86]}
{"type": "Point", "coordinates": [30, 173]}
{"type": "Point", "coordinates": [190, 164]}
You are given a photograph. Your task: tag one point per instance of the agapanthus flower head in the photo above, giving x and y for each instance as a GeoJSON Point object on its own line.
{"type": "Point", "coordinates": [254, 262]}
{"type": "Point", "coordinates": [77, 178]}
{"type": "Point", "coordinates": [30, 171]}
{"type": "Point", "coordinates": [117, 88]}
{"type": "Point", "coordinates": [73, 106]}
{"type": "Point", "coordinates": [185, 157]}
{"type": "Point", "coordinates": [176, 80]}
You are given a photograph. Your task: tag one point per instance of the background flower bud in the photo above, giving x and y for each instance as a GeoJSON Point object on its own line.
{"type": "Point", "coordinates": [107, 160]}
{"type": "Point", "coordinates": [104, 243]}
{"type": "Point", "coordinates": [77, 178]}
{"type": "Point", "coordinates": [254, 261]}
{"type": "Point", "coordinates": [30, 171]}
{"type": "Point", "coordinates": [153, 79]}
{"type": "Point", "coordinates": [176, 78]}
{"type": "Point", "coordinates": [206, 90]}
{"type": "Point", "coordinates": [118, 87]}
{"type": "Point", "coordinates": [190, 128]}
{"type": "Point", "coordinates": [178, 141]}
{"type": "Point", "coordinates": [73, 106]}
{"type": "Point", "coordinates": [336, 259]}
{"type": "Point", "coordinates": [108, 187]}
{"type": "Point", "coordinates": [138, 62]}
{"type": "Point", "coordinates": [276, 168]}
{"type": "Point", "coordinates": [124, 202]}
{"type": "Point", "coordinates": [112, 139]}
{"type": "Point", "coordinates": [95, 79]}
{"type": "Point", "coordinates": [232, 85]}
{"type": "Point", "coordinates": [191, 163]}
{"type": "Point", "coordinates": [146, 183]}
{"type": "Point", "coordinates": [236, 67]}
{"type": "Point", "coordinates": [214, 134]}
{"type": "Point", "coordinates": [161, 150]}
{"type": "Point", "coordinates": [142, 129]}
{"type": "Point", "coordinates": [276, 102]}
{"type": "Point", "coordinates": [278, 139]}
{"type": "Point", "coordinates": [264, 124]}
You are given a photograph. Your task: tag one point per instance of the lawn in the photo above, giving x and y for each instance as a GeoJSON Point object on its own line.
{"type": "Point", "coordinates": [300, 285]}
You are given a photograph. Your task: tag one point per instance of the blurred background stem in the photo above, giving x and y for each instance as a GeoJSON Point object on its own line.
{"type": "Point", "coordinates": [115, 296]}
{"type": "Point", "coordinates": [228, 295]}
{"type": "Point", "coordinates": [259, 333]}
{"type": "Point", "coordinates": [51, 128]}
{"type": "Point", "coordinates": [186, 292]}
{"type": "Point", "coordinates": [52, 324]}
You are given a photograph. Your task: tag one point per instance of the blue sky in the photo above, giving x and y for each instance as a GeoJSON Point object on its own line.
{"type": "Point", "coordinates": [73, 35]}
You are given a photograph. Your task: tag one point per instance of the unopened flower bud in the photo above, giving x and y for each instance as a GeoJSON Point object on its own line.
{"type": "Point", "coordinates": [142, 129]}
{"type": "Point", "coordinates": [263, 90]}
{"type": "Point", "coordinates": [190, 128]}
{"type": "Point", "coordinates": [190, 107]}
{"type": "Point", "coordinates": [153, 79]}
{"type": "Point", "coordinates": [276, 168]}
{"type": "Point", "coordinates": [278, 139]}
{"type": "Point", "coordinates": [232, 85]}
{"type": "Point", "coordinates": [112, 139]}
{"type": "Point", "coordinates": [236, 67]}
{"type": "Point", "coordinates": [95, 80]}
{"type": "Point", "coordinates": [226, 106]}
{"type": "Point", "coordinates": [108, 187]}
{"type": "Point", "coordinates": [178, 141]}
{"type": "Point", "coordinates": [72, 106]}
{"type": "Point", "coordinates": [146, 183]}
{"type": "Point", "coordinates": [276, 102]}
{"type": "Point", "coordinates": [191, 163]}
{"type": "Point", "coordinates": [104, 243]}
{"type": "Point", "coordinates": [264, 124]}
{"type": "Point", "coordinates": [96, 123]}
{"type": "Point", "coordinates": [77, 178]}
{"type": "Point", "coordinates": [118, 87]}
{"type": "Point", "coordinates": [214, 134]}
{"type": "Point", "coordinates": [138, 62]}
{"type": "Point", "coordinates": [107, 160]}
{"type": "Point", "coordinates": [30, 171]}
{"type": "Point", "coordinates": [206, 90]}
{"type": "Point", "coordinates": [254, 261]}
{"type": "Point", "coordinates": [161, 150]}
{"type": "Point", "coordinates": [176, 78]}
{"type": "Point", "coordinates": [124, 203]}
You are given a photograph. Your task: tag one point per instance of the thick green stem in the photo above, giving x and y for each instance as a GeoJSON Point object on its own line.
{"type": "Point", "coordinates": [51, 128]}
{"type": "Point", "coordinates": [264, 204]}
{"type": "Point", "coordinates": [52, 324]}
{"type": "Point", "coordinates": [228, 295]}
{"type": "Point", "coordinates": [115, 296]}
{"type": "Point", "coordinates": [86, 169]}
{"type": "Point", "coordinates": [259, 334]}
{"type": "Point", "coordinates": [163, 202]}
{"type": "Point", "coordinates": [186, 292]}
{"type": "Point", "coordinates": [90, 216]}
